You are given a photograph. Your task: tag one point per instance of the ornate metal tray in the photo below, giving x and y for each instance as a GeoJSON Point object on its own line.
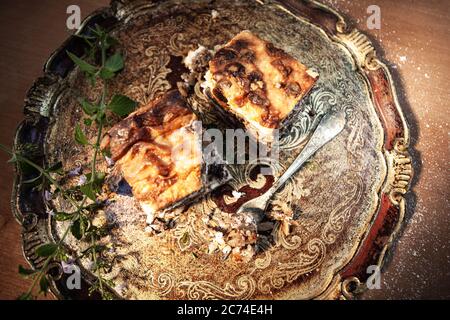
{"type": "Point", "coordinates": [349, 197]}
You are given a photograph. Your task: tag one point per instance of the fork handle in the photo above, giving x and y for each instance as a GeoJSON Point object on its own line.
{"type": "Point", "coordinates": [329, 126]}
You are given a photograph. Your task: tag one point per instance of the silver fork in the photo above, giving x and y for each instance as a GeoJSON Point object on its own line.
{"type": "Point", "coordinates": [329, 127]}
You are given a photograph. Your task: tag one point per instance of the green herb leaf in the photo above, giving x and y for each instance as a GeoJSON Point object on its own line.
{"type": "Point", "coordinates": [106, 74]}
{"type": "Point", "coordinates": [63, 216]}
{"type": "Point", "coordinates": [92, 79]}
{"type": "Point", "coordinates": [55, 167]}
{"type": "Point", "coordinates": [78, 228]}
{"type": "Point", "coordinates": [99, 177]}
{"type": "Point", "coordinates": [44, 284]}
{"type": "Point", "coordinates": [110, 41]}
{"type": "Point", "coordinates": [25, 296]}
{"type": "Point", "coordinates": [85, 37]}
{"type": "Point", "coordinates": [83, 65]}
{"type": "Point", "coordinates": [46, 250]}
{"type": "Point", "coordinates": [32, 180]}
{"type": "Point", "coordinates": [76, 231]}
{"type": "Point", "coordinates": [100, 116]}
{"type": "Point", "coordinates": [88, 107]}
{"type": "Point", "coordinates": [97, 181]}
{"type": "Point", "coordinates": [114, 63]}
{"type": "Point", "coordinates": [107, 153]}
{"type": "Point", "coordinates": [91, 188]}
{"type": "Point", "coordinates": [26, 272]}
{"type": "Point", "coordinates": [12, 160]}
{"type": "Point", "coordinates": [80, 137]}
{"type": "Point", "coordinates": [88, 191]}
{"type": "Point", "coordinates": [87, 122]}
{"type": "Point", "coordinates": [122, 105]}
{"type": "Point", "coordinates": [95, 248]}
{"type": "Point", "coordinates": [98, 31]}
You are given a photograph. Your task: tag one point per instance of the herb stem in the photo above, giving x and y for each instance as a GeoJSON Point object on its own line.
{"type": "Point", "coordinates": [93, 170]}
{"type": "Point", "coordinates": [43, 172]}
{"type": "Point", "coordinates": [98, 271]}
{"type": "Point", "coordinates": [59, 244]}
{"type": "Point", "coordinates": [100, 120]}
{"type": "Point", "coordinates": [108, 68]}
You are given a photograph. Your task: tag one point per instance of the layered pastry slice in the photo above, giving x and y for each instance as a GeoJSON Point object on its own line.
{"type": "Point", "coordinates": [258, 84]}
{"type": "Point", "coordinates": [158, 151]}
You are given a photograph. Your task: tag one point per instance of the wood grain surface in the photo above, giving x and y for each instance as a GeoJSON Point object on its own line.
{"type": "Point", "coordinates": [413, 38]}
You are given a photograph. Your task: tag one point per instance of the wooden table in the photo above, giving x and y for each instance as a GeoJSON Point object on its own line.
{"type": "Point", "coordinates": [414, 38]}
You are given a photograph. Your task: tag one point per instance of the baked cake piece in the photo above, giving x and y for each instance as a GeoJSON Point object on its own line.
{"type": "Point", "coordinates": [257, 83]}
{"type": "Point", "coordinates": [158, 151]}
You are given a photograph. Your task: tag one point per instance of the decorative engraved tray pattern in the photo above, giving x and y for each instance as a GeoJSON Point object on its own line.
{"type": "Point", "coordinates": [349, 195]}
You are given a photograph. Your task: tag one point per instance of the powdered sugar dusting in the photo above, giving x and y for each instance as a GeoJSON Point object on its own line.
{"type": "Point", "coordinates": [414, 47]}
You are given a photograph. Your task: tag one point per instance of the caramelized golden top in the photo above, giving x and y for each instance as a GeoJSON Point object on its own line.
{"type": "Point", "coordinates": [158, 152]}
{"type": "Point", "coordinates": [257, 81]}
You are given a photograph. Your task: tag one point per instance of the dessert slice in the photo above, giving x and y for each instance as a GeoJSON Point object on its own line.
{"type": "Point", "coordinates": [158, 151]}
{"type": "Point", "coordinates": [258, 84]}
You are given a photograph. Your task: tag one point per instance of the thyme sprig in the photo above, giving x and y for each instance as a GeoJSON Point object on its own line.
{"type": "Point", "coordinates": [101, 63]}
